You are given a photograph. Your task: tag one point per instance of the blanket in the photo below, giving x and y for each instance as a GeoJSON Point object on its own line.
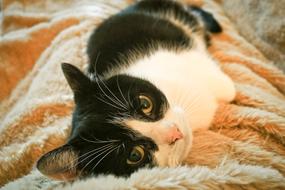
{"type": "Point", "coordinates": [243, 149]}
{"type": "Point", "coordinates": [262, 24]}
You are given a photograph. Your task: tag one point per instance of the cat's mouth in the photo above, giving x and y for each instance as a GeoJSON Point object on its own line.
{"type": "Point", "coordinates": [180, 140]}
{"type": "Point", "coordinates": [175, 136]}
{"type": "Point", "coordinates": [174, 142]}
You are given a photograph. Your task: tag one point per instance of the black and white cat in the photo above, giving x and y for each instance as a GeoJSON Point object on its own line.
{"type": "Point", "coordinates": [150, 83]}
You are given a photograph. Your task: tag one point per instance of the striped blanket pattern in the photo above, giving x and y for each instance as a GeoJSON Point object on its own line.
{"type": "Point", "coordinates": [243, 149]}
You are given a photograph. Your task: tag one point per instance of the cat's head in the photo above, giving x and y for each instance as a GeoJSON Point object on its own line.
{"type": "Point", "coordinates": [119, 124]}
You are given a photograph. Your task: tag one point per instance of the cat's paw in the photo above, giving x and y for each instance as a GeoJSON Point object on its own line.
{"type": "Point", "coordinates": [226, 89]}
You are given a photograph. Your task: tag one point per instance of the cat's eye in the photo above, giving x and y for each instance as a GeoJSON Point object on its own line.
{"type": "Point", "coordinates": [136, 155]}
{"type": "Point", "coordinates": [146, 104]}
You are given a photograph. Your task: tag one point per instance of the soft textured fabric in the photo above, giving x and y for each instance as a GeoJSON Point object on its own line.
{"type": "Point", "coordinates": [243, 149]}
{"type": "Point", "coordinates": [262, 23]}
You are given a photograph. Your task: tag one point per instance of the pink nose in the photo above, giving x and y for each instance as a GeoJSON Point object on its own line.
{"type": "Point", "coordinates": [173, 135]}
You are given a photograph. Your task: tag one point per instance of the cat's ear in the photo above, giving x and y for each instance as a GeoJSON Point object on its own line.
{"type": "Point", "coordinates": [77, 81]}
{"type": "Point", "coordinates": [211, 24]}
{"type": "Point", "coordinates": [59, 164]}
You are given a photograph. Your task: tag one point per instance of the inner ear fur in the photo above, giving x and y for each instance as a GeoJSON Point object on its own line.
{"type": "Point", "coordinates": [59, 164]}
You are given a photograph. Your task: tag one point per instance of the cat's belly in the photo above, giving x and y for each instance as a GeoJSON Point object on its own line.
{"type": "Point", "coordinates": [190, 80]}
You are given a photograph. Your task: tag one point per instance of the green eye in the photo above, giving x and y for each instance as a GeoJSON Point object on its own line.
{"type": "Point", "coordinates": [146, 104]}
{"type": "Point", "coordinates": [136, 155]}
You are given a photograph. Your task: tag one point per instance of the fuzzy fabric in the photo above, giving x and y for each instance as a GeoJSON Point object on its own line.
{"type": "Point", "coordinates": [243, 149]}
{"type": "Point", "coordinates": [262, 23]}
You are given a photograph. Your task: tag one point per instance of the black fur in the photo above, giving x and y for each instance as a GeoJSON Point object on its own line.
{"type": "Point", "coordinates": [92, 120]}
{"type": "Point", "coordinates": [210, 22]}
{"type": "Point", "coordinates": [132, 29]}
{"type": "Point", "coordinates": [141, 29]}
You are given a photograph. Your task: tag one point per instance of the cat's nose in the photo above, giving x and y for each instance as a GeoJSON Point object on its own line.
{"type": "Point", "coordinates": [174, 134]}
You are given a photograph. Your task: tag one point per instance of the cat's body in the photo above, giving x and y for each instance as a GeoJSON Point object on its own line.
{"type": "Point", "coordinates": [150, 83]}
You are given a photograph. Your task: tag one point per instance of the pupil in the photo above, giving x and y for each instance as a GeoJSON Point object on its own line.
{"type": "Point", "coordinates": [135, 156]}
{"type": "Point", "coordinates": [145, 104]}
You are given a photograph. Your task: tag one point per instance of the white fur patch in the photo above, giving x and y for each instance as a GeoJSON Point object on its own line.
{"type": "Point", "coordinates": [193, 85]}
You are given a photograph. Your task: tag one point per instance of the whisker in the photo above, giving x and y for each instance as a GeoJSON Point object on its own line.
{"type": "Point", "coordinates": [118, 149]}
{"type": "Point", "coordinates": [185, 98]}
{"type": "Point", "coordinates": [109, 140]}
{"type": "Point", "coordinates": [109, 103]}
{"type": "Point", "coordinates": [193, 106]}
{"type": "Point", "coordinates": [98, 140]}
{"type": "Point", "coordinates": [181, 98]}
{"type": "Point", "coordinates": [129, 98]}
{"type": "Point", "coordinates": [118, 119]}
{"type": "Point", "coordinates": [104, 157]}
{"type": "Point", "coordinates": [118, 102]}
{"type": "Point", "coordinates": [96, 61]}
{"type": "Point", "coordinates": [97, 82]}
{"type": "Point", "coordinates": [120, 90]}
{"type": "Point", "coordinates": [193, 109]}
{"type": "Point", "coordinates": [111, 99]}
{"type": "Point", "coordinates": [193, 102]}
{"type": "Point", "coordinates": [106, 150]}
{"type": "Point", "coordinates": [92, 152]}
{"type": "Point", "coordinates": [131, 102]}
{"type": "Point", "coordinates": [124, 147]}
{"type": "Point", "coordinates": [115, 120]}
{"type": "Point", "coordinates": [95, 151]}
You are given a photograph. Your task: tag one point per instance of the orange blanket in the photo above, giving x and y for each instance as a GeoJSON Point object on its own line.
{"type": "Point", "coordinates": [244, 148]}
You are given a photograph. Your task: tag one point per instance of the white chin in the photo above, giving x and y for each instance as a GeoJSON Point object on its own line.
{"type": "Point", "coordinates": [180, 151]}
{"type": "Point", "coordinates": [182, 147]}
{"type": "Point", "coordinates": [174, 155]}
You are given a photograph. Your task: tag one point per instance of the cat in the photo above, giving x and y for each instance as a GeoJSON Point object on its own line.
{"type": "Point", "coordinates": [150, 83]}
